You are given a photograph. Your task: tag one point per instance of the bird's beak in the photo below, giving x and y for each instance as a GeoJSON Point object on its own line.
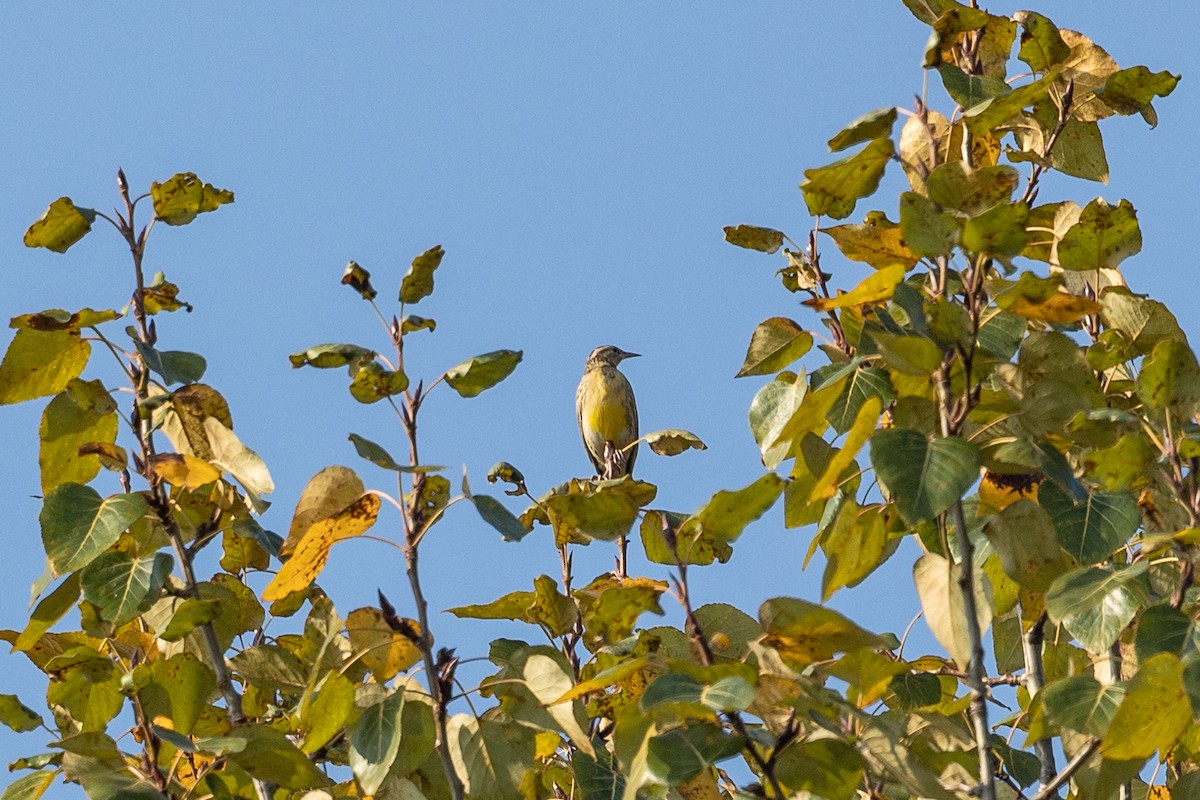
{"type": "Point", "coordinates": [625, 355]}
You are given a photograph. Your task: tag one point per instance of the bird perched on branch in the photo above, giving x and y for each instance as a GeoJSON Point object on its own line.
{"type": "Point", "coordinates": [607, 411]}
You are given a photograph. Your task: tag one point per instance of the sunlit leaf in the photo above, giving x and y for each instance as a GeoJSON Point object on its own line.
{"type": "Point", "coordinates": [1091, 530]}
{"type": "Point", "coordinates": [54, 319]}
{"type": "Point", "coordinates": [877, 287]}
{"type": "Point", "coordinates": [878, 242]}
{"type": "Point", "coordinates": [186, 471]}
{"type": "Point", "coordinates": [324, 717]}
{"type": "Point", "coordinates": [775, 344]}
{"type": "Point", "coordinates": [41, 363]}
{"type": "Point", "coordinates": [610, 606]}
{"type": "Point", "coordinates": [927, 230]}
{"type": "Point", "coordinates": [63, 224]}
{"type": "Point", "coordinates": [772, 408]}
{"type": "Point", "coordinates": [16, 715]}
{"type": "Point", "coordinates": [162, 295]}
{"type": "Point", "coordinates": [312, 550]}
{"type": "Point", "coordinates": [1170, 379]}
{"type": "Point", "coordinates": [83, 414]}
{"type": "Point", "coordinates": [804, 632]}
{"type": "Point", "coordinates": [1103, 237]}
{"type": "Point", "coordinates": [385, 651]}
{"type": "Point", "coordinates": [482, 372]}
{"type": "Point", "coordinates": [492, 757]}
{"type": "Point", "coordinates": [418, 281]}
{"type": "Point", "coordinates": [872, 125]}
{"type": "Point", "coordinates": [937, 581]}
{"type": "Point", "coordinates": [183, 197]}
{"type": "Point", "coordinates": [270, 755]}
{"type": "Point", "coordinates": [179, 689]}
{"type": "Point", "coordinates": [1042, 47]}
{"type": "Point", "coordinates": [854, 544]}
{"type": "Point", "coordinates": [373, 383]}
{"type": "Point", "coordinates": [1028, 545]}
{"type": "Point", "coordinates": [245, 465]}
{"type": "Point", "coordinates": [1154, 713]}
{"type": "Point", "coordinates": [834, 190]}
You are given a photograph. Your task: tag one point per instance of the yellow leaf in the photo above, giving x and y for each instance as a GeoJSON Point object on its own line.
{"type": "Point", "coordinates": [311, 553]}
{"type": "Point", "coordinates": [864, 425]}
{"type": "Point", "coordinates": [385, 652]}
{"type": "Point", "coordinates": [185, 471]}
{"type": "Point", "coordinates": [179, 200]}
{"type": "Point", "coordinates": [878, 286]}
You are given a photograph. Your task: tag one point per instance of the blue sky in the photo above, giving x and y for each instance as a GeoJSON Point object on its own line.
{"type": "Point", "coordinates": [576, 162]}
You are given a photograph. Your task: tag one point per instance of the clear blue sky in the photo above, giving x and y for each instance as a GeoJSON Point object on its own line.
{"type": "Point", "coordinates": [576, 161]}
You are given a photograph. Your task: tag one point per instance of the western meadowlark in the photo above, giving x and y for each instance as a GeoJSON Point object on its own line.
{"type": "Point", "coordinates": [607, 411]}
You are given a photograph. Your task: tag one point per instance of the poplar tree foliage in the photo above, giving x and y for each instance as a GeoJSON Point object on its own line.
{"type": "Point", "coordinates": [991, 388]}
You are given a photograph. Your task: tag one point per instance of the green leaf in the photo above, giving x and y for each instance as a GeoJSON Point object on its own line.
{"type": "Point", "coordinates": [1161, 629]}
{"type": "Point", "coordinates": [599, 510]}
{"type": "Point", "coordinates": [998, 232]}
{"type": "Point", "coordinates": [63, 224]}
{"type": "Point", "coordinates": [1129, 91]}
{"type": "Point", "coordinates": [122, 586]}
{"type": "Point", "coordinates": [1143, 321]}
{"type": "Point", "coordinates": [180, 688]}
{"type": "Point", "coordinates": [269, 754]}
{"type": "Point", "coordinates": [1154, 713]}
{"type": "Point", "coordinates": [41, 363]}
{"type": "Point", "coordinates": [81, 414]}
{"type": "Point", "coordinates": [1103, 237]}
{"type": "Point", "coordinates": [928, 231]}
{"type": "Point", "coordinates": [834, 190]}
{"type": "Point", "coordinates": [864, 383]}
{"type": "Point", "coordinates": [418, 281]}
{"type": "Point", "coordinates": [493, 512]}
{"type": "Point", "coordinates": [1082, 703]}
{"type": "Point", "coordinates": [937, 581]}
{"type": "Point", "coordinates": [955, 185]}
{"type": "Point", "coordinates": [726, 514]}
{"type": "Point", "coordinates": [923, 478]}
{"type": "Point", "coordinates": [380, 457]}
{"type": "Point", "coordinates": [1042, 47]}
{"type": "Point", "coordinates": [77, 525]}
{"type": "Point", "coordinates": [181, 199]}
{"type": "Point", "coordinates": [190, 614]}
{"type": "Point", "coordinates": [875, 124]}
{"type": "Point", "coordinates": [544, 606]}
{"type": "Point", "coordinates": [805, 632]}
{"type": "Point", "coordinates": [1027, 543]}
{"type": "Point", "coordinates": [990, 113]}
{"type": "Point", "coordinates": [775, 344]}
{"type": "Point", "coordinates": [970, 90]}
{"type": "Point", "coordinates": [772, 408]}
{"type": "Point", "coordinates": [375, 741]}
{"type": "Point", "coordinates": [173, 366]}
{"type": "Point", "coordinates": [480, 373]}
{"type": "Point", "coordinates": [50, 610]}
{"type": "Point", "coordinates": [1079, 151]}
{"type": "Point", "coordinates": [373, 383]}
{"type": "Point", "coordinates": [854, 545]}
{"type": "Point", "coordinates": [829, 768]}
{"type": "Point", "coordinates": [610, 607]}
{"type": "Point", "coordinates": [672, 441]}
{"type": "Point", "coordinates": [878, 242]}
{"type": "Point", "coordinates": [324, 717]}
{"type": "Point", "coordinates": [330, 356]}
{"type": "Point", "coordinates": [16, 715]}
{"type": "Point", "coordinates": [752, 237]}
{"type": "Point", "coordinates": [412, 322]}
{"type": "Point", "coordinates": [598, 778]}
{"type": "Point", "coordinates": [1170, 379]}
{"type": "Point", "coordinates": [1093, 529]}
{"type": "Point", "coordinates": [1095, 605]}
{"type": "Point", "coordinates": [677, 755]}
{"type": "Point", "coordinates": [87, 692]}
{"type": "Point", "coordinates": [31, 786]}
{"type": "Point", "coordinates": [492, 757]}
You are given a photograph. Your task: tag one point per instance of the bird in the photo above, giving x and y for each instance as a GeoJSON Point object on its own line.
{"type": "Point", "coordinates": [607, 412]}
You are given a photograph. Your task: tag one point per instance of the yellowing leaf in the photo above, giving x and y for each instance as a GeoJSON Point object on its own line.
{"type": "Point", "coordinates": [833, 190]}
{"type": "Point", "coordinates": [185, 471]}
{"type": "Point", "coordinates": [878, 242]}
{"type": "Point", "coordinates": [878, 286]}
{"type": "Point", "coordinates": [328, 492]}
{"type": "Point", "coordinates": [61, 226]}
{"type": "Point", "coordinates": [181, 199]}
{"type": "Point", "coordinates": [418, 283]}
{"type": "Point", "coordinates": [385, 652]}
{"type": "Point", "coordinates": [312, 551]}
{"type": "Point", "coordinates": [864, 425]}
{"type": "Point", "coordinates": [41, 363]}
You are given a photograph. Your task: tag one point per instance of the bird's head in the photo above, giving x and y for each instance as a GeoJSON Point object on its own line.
{"type": "Point", "coordinates": [608, 355]}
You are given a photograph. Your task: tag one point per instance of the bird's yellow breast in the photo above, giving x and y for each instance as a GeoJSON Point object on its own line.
{"type": "Point", "coordinates": [606, 408]}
